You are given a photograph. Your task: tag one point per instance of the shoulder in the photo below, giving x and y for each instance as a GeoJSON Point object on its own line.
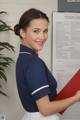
{"type": "Point", "coordinates": [37, 62]}
{"type": "Point", "coordinates": [36, 66]}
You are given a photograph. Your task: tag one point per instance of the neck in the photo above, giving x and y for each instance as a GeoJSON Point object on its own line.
{"type": "Point", "coordinates": [25, 44]}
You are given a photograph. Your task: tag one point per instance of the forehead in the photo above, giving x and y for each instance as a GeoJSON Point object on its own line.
{"type": "Point", "coordinates": [39, 23]}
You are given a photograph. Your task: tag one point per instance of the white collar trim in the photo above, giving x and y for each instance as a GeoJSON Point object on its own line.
{"type": "Point", "coordinates": [25, 53]}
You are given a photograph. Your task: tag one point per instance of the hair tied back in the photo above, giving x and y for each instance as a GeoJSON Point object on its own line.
{"type": "Point", "coordinates": [17, 29]}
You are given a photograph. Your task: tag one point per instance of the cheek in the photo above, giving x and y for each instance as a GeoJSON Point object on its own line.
{"type": "Point", "coordinates": [46, 37]}
{"type": "Point", "coordinates": [32, 39]}
{"type": "Point", "coordinates": [29, 37]}
{"type": "Point", "coordinates": [32, 36]}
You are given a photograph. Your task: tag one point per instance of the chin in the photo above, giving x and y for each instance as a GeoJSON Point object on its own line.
{"type": "Point", "coordinates": [40, 48]}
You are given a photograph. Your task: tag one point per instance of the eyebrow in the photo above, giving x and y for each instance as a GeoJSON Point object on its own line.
{"type": "Point", "coordinates": [39, 29]}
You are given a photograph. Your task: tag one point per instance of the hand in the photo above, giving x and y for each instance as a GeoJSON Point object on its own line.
{"type": "Point", "coordinates": [77, 95]}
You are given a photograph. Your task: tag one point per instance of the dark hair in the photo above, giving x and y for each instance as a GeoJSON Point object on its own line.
{"type": "Point", "coordinates": [27, 17]}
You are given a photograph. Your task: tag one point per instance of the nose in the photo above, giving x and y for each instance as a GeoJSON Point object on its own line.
{"type": "Point", "coordinates": [41, 35]}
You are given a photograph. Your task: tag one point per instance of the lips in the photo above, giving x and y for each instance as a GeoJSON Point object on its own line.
{"type": "Point", "coordinates": [40, 42]}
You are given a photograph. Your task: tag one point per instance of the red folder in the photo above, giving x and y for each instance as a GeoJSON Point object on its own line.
{"type": "Point", "coordinates": [70, 88]}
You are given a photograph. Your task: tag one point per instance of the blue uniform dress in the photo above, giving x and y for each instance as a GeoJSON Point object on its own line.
{"type": "Point", "coordinates": [34, 80]}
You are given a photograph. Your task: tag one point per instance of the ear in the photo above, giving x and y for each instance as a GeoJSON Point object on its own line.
{"type": "Point", "coordinates": [22, 33]}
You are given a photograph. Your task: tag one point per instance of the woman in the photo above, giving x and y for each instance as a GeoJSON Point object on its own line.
{"type": "Point", "coordinates": [36, 85]}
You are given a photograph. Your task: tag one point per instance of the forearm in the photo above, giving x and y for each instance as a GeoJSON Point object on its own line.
{"type": "Point", "coordinates": [47, 107]}
{"type": "Point", "coordinates": [60, 105]}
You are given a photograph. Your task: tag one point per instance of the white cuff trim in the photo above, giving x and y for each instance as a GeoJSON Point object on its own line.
{"type": "Point", "coordinates": [35, 91]}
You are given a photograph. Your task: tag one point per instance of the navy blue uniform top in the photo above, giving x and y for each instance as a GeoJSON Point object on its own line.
{"type": "Point", "coordinates": [34, 80]}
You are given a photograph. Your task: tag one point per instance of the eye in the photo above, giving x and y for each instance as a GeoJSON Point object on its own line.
{"type": "Point", "coordinates": [36, 31]}
{"type": "Point", "coordinates": [46, 31]}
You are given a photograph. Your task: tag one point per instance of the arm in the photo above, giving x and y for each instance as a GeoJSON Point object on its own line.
{"type": "Point", "coordinates": [47, 107]}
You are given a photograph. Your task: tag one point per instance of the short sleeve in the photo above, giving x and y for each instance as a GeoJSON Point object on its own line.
{"type": "Point", "coordinates": [36, 79]}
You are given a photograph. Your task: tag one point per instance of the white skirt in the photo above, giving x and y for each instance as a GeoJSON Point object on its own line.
{"type": "Point", "coordinates": [39, 116]}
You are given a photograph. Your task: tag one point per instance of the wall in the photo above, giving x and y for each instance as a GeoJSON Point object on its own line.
{"type": "Point", "coordinates": [11, 105]}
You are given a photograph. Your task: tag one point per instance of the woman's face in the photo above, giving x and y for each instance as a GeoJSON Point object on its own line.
{"type": "Point", "coordinates": [36, 34]}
